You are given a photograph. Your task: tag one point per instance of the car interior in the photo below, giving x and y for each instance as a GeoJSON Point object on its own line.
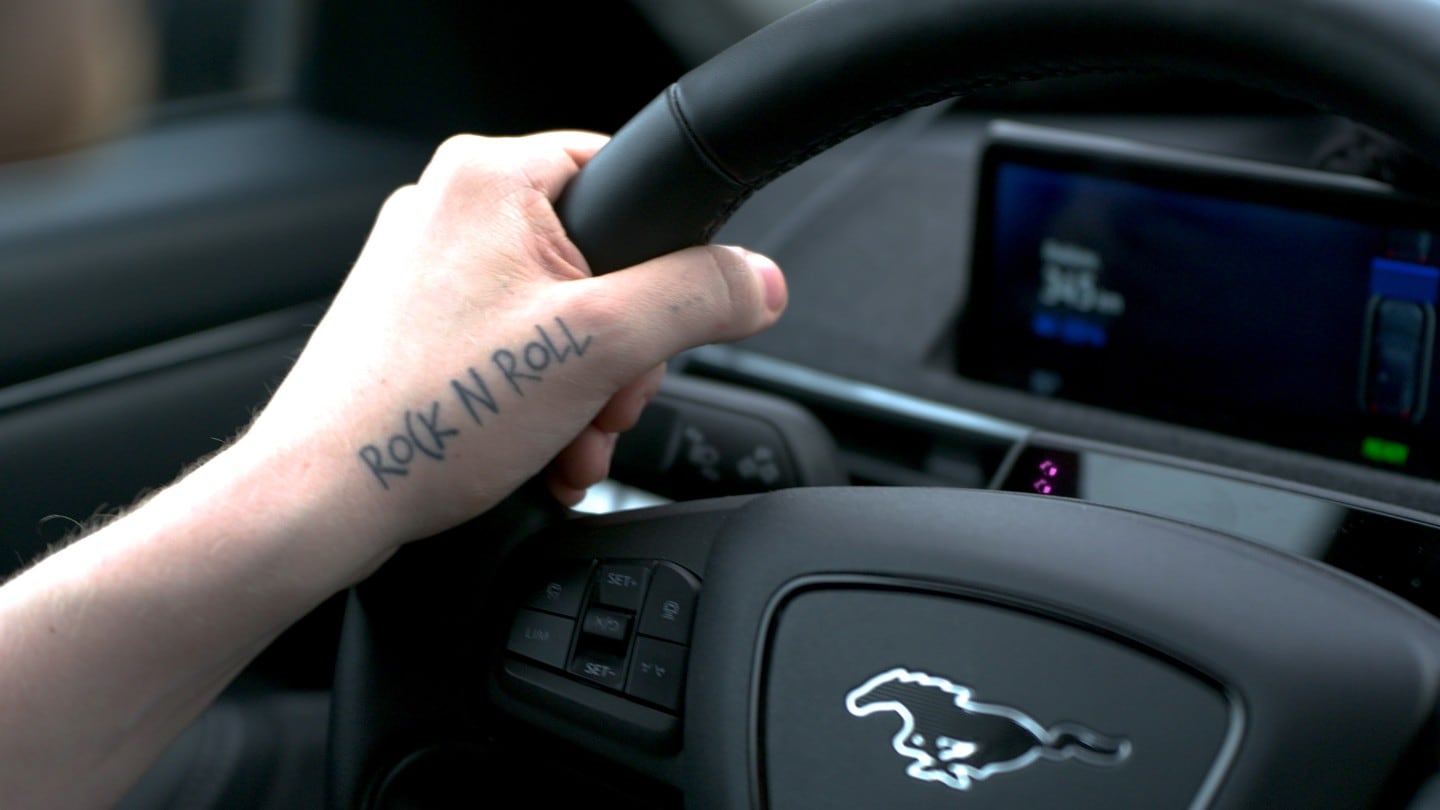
{"type": "Point", "coordinates": [1095, 462]}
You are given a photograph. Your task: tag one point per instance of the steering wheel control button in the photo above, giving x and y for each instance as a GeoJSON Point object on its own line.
{"type": "Point", "coordinates": [608, 624]}
{"type": "Point", "coordinates": [657, 673]}
{"type": "Point", "coordinates": [603, 668]}
{"type": "Point", "coordinates": [562, 591]}
{"type": "Point", "coordinates": [541, 637]}
{"type": "Point", "coordinates": [670, 605]}
{"type": "Point", "coordinates": [621, 585]}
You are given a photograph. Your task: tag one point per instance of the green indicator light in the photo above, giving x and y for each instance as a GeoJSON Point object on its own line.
{"type": "Point", "coordinates": [1385, 451]}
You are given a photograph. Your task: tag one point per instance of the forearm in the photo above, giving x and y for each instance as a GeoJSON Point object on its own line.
{"type": "Point", "coordinates": [111, 646]}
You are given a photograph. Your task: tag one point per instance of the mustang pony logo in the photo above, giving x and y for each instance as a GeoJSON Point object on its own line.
{"type": "Point", "coordinates": [955, 741]}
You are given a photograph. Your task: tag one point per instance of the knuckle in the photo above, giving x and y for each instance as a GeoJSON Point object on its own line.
{"type": "Point", "coordinates": [456, 150]}
{"type": "Point", "coordinates": [462, 162]}
{"type": "Point", "coordinates": [398, 200]}
{"type": "Point", "coordinates": [603, 310]}
{"type": "Point", "coordinates": [620, 321]}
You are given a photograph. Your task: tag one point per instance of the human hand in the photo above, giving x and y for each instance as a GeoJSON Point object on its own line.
{"type": "Point", "coordinates": [470, 346]}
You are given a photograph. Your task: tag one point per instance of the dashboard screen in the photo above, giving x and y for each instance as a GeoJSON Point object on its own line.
{"type": "Point", "coordinates": [1296, 313]}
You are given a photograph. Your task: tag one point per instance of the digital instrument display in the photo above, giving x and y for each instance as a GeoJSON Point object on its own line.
{"type": "Point", "coordinates": [1275, 305]}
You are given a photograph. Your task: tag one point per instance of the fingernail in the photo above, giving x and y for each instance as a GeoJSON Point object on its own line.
{"type": "Point", "coordinates": [769, 272]}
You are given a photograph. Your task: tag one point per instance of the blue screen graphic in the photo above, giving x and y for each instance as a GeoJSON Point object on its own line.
{"type": "Point", "coordinates": [1299, 327]}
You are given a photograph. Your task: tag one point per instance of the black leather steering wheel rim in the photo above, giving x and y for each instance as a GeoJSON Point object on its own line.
{"type": "Point", "coordinates": [674, 174]}
{"type": "Point", "coordinates": [668, 180]}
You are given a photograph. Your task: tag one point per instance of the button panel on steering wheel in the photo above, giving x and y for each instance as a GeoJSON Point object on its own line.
{"type": "Point", "coordinates": [621, 625]}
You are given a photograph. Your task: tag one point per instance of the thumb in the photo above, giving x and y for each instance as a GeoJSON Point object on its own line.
{"type": "Point", "coordinates": [699, 295]}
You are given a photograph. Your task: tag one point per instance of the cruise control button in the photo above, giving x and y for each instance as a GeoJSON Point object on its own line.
{"type": "Point", "coordinates": [541, 636]}
{"type": "Point", "coordinates": [620, 585]}
{"type": "Point", "coordinates": [657, 673]}
{"type": "Point", "coordinates": [560, 592]}
{"type": "Point", "coordinates": [606, 624]}
{"type": "Point", "coordinates": [670, 604]}
{"type": "Point", "coordinates": [602, 668]}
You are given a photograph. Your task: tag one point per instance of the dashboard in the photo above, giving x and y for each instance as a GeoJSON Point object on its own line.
{"type": "Point", "coordinates": [1169, 315]}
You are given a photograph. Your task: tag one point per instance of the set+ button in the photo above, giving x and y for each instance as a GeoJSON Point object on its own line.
{"type": "Point", "coordinates": [621, 585]}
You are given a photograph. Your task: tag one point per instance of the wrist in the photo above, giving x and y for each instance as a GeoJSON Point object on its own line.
{"type": "Point", "coordinates": [297, 506]}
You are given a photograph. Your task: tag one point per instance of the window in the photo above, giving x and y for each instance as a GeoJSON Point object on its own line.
{"type": "Point", "coordinates": [222, 52]}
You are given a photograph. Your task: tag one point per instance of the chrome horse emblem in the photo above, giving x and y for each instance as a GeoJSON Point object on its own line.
{"type": "Point", "coordinates": [956, 741]}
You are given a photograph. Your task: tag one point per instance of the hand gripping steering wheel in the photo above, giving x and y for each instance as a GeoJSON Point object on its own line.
{"type": "Point", "coordinates": [887, 647]}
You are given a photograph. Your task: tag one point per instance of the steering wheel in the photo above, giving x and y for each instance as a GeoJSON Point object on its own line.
{"type": "Point", "coordinates": [899, 647]}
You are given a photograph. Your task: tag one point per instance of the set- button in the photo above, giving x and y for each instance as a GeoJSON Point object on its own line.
{"type": "Point", "coordinates": [606, 669]}
{"type": "Point", "coordinates": [621, 625]}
